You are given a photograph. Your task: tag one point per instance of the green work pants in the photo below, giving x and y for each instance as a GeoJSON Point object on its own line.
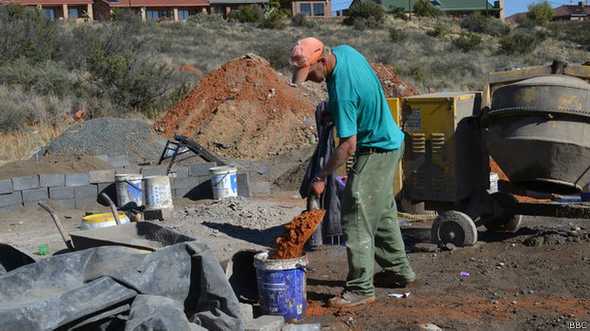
{"type": "Point", "coordinates": [369, 216]}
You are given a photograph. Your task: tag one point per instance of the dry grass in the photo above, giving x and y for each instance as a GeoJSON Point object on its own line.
{"type": "Point", "coordinates": [21, 145]}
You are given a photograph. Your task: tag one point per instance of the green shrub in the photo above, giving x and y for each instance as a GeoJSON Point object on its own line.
{"type": "Point", "coordinates": [540, 13]}
{"type": "Point", "coordinates": [247, 14]}
{"type": "Point", "coordinates": [484, 24]}
{"type": "Point", "coordinates": [425, 8]}
{"type": "Point", "coordinates": [577, 32]}
{"type": "Point", "coordinates": [365, 14]}
{"type": "Point", "coordinates": [440, 30]}
{"type": "Point", "coordinates": [396, 35]}
{"type": "Point", "coordinates": [520, 41]}
{"type": "Point", "coordinates": [467, 41]}
{"type": "Point", "coordinates": [274, 18]}
{"type": "Point", "coordinates": [301, 21]}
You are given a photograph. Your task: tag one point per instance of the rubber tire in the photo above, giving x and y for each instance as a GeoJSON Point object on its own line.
{"type": "Point", "coordinates": [454, 227]}
{"type": "Point", "coordinates": [509, 224]}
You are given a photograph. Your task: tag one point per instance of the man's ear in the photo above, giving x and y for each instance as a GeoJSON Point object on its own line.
{"type": "Point", "coordinates": [323, 60]}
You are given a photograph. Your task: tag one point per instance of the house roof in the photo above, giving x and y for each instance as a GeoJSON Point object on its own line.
{"type": "Point", "coordinates": [572, 10]}
{"type": "Point", "coordinates": [340, 4]}
{"type": "Point", "coordinates": [236, 2]}
{"type": "Point", "coordinates": [156, 3]}
{"type": "Point", "coordinates": [444, 5]}
{"type": "Point", "coordinates": [46, 2]}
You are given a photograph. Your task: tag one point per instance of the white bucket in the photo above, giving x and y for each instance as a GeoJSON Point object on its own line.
{"type": "Point", "coordinates": [224, 182]}
{"type": "Point", "coordinates": [129, 190]}
{"type": "Point", "coordinates": [158, 194]}
{"type": "Point", "coordinates": [493, 183]}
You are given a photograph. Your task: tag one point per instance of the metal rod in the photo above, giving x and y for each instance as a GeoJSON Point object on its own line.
{"type": "Point", "coordinates": [113, 207]}
{"type": "Point", "coordinates": [58, 224]}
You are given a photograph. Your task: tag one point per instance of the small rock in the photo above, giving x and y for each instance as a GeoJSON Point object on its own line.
{"type": "Point", "coordinates": [21, 223]}
{"type": "Point", "coordinates": [472, 259]}
{"type": "Point", "coordinates": [426, 248]}
{"type": "Point", "coordinates": [265, 323]}
{"type": "Point", "coordinates": [494, 302]}
{"type": "Point", "coordinates": [514, 302]}
{"type": "Point", "coordinates": [501, 264]}
{"type": "Point", "coordinates": [450, 247]}
{"type": "Point", "coordinates": [531, 292]}
{"type": "Point", "coordinates": [429, 327]}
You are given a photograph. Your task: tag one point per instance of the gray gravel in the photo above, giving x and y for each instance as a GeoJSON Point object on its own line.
{"type": "Point", "coordinates": [110, 136]}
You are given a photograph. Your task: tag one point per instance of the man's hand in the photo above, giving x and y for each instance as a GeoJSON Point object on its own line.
{"type": "Point", "coordinates": [318, 185]}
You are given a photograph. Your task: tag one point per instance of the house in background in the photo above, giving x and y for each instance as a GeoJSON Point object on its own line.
{"type": "Point", "coordinates": [152, 10]}
{"type": "Point", "coordinates": [60, 9]}
{"type": "Point", "coordinates": [579, 12]}
{"type": "Point", "coordinates": [319, 8]}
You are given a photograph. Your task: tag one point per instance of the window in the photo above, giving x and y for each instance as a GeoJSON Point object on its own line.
{"type": "Point", "coordinates": [152, 14]}
{"type": "Point", "coordinates": [318, 9]}
{"type": "Point", "coordinates": [49, 13]}
{"type": "Point", "coordinates": [74, 12]}
{"type": "Point", "coordinates": [183, 14]}
{"type": "Point", "coordinates": [305, 9]}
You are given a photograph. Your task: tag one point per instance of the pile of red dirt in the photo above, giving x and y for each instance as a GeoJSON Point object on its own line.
{"type": "Point", "coordinates": [297, 233]}
{"type": "Point", "coordinates": [243, 110]}
{"type": "Point", "coordinates": [392, 84]}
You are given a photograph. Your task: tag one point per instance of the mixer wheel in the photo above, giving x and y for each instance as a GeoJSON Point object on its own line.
{"type": "Point", "coordinates": [454, 227]}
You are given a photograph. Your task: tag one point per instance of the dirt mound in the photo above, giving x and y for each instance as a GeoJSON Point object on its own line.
{"type": "Point", "coordinates": [52, 165]}
{"type": "Point", "coordinates": [112, 137]}
{"type": "Point", "coordinates": [298, 231]}
{"type": "Point", "coordinates": [243, 110]}
{"type": "Point", "coordinates": [392, 84]}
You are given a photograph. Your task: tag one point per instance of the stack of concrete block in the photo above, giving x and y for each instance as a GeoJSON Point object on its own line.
{"type": "Point", "coordinates": [104, 180]}
{"type": "Point", "coordinates": [193, 182]}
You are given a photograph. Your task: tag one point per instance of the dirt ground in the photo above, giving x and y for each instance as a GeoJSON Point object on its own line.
{"type": "Point", "coordinates": [513, 284]}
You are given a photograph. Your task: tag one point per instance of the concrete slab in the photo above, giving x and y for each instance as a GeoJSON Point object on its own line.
{"type": "Point", "coordinates": [25, 182]}
{"type": "Point", "coordinates": [52, 180]}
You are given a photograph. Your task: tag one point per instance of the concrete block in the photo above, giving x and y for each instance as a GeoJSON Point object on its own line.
{"type": "Point", "coordinates": [158, 214]}
{"type": "Point", "coordinates": [51, 180]}
{"type": "Point", "coordinates": [190, 182]}
{"type": "Point", "coordinates": [61, 193]}
{"type": "Point", "coordinates": [201, 169]}
{"type": "Point", "coordinates": [5, 186]}
{"type": "Point", "coordinates": [128, 170]}
{"type": "Point", "coordinates": [246, 312]}
{"type": "Point", "coordinates": [86, 192]}
{"type": "Point", "coordinates": [63, 204]}
{"type": "Point", "coordinates": [266, 323]}
{"type": "Point", "coordinates": [11, 199]}
{"type": "Point", "coordinates": [181, 172]}
{"type": "Point", "coordinates": [201, 191]}
{"type": "Point", "coordinates": [25, 182]}
{"type": "Point", "coordinates": [153, 171]}
{"type": "Point", "coordinates": [34, 195]}
{"type": "Point", "coordinates": [119, 161]}
{"type": "Point", "coordinates": [78, 179]}
{"type": "Point", "coordinates": [260, 188]}
{"type": "Point", "coordinates": [244, 185]}
{"type": "Point", "coordinates": [85, 204]}
{"type": "Point", "coordinates": [101, 176]}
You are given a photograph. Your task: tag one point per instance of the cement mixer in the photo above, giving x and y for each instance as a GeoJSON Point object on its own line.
{"type": "Point", "coordinates": [534, 122]}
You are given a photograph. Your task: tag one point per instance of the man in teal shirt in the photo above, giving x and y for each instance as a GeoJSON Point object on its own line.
{"type": "Point", "coordinates": [366, 128]}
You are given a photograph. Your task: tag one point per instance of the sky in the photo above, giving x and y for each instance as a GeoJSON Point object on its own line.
{"type": "Point", "coordinates": [519, 6]}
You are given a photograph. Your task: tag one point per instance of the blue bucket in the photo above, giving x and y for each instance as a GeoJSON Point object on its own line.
{"type": "Point", "coordinates": [281, 286]}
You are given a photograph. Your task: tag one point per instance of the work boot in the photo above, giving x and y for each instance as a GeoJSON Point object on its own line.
{"type": "Point", "coordinates": [391, 279]}
{"type": "Point", "coordinates": [350, 299]}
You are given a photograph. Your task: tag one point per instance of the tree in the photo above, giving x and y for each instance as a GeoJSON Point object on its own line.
{"type": "Point", "coordinates": [540, 13]}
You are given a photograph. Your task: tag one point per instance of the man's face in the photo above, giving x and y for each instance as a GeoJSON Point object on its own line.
{"type": "Point", "coordinates": [316, 72]}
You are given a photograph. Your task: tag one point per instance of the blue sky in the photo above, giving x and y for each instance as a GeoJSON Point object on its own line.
{"type": "Point", "coordinates": [518, 6]}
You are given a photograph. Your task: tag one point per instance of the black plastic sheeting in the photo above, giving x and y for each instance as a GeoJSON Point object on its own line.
{"type": "Point", "coordinates": [179, 287]}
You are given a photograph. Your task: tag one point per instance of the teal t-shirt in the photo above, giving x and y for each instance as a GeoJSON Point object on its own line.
{"type": "Point", "coordinates": [357, 102]}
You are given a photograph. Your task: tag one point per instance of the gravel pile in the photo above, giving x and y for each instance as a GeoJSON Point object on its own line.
{"type": "Point", "coordinates": [112, 137]}
{"type": "Point", "coordinates": [235, 211]}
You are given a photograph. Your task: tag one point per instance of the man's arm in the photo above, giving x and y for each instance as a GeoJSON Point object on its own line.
{"type": "Point", "coordinates": [344, 151]}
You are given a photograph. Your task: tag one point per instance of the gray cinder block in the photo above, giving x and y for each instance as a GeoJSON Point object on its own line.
{"type": "Point", "coordinates": [5, 186]}
{"type": "Point", "coordinates": [51, 180]}
{"type": "Point", "coordinates": [34, 195]}
{"type": "Point", "coordinates": [61, 193]}
{"type": "Point", "coordinates": [101, 176]}
{"type": "Point", "coordinates": [11, 199]}
{"type": "Point", "coordinates": [79, 179]}
{"type": "Point", "coordinates": [201, 169]}
{"type": "Point", "coordinates": [25, 182]}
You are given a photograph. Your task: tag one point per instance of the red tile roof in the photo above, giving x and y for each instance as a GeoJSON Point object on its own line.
{"type": "Point", "coordinates": [157, 3]}
{"type": "Point", "coordinates": [46, 2]}
{"type": "Point", "coordinates": [569, 10]}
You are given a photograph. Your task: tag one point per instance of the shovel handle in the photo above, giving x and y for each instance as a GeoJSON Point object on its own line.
{"type": "Point", "coordinates": [113, 207]}
{"type": "Point", "coordinates": [58, 224]}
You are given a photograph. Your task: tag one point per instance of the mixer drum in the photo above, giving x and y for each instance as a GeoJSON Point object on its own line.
{"type": "Point", "coordinates": [538, 131]}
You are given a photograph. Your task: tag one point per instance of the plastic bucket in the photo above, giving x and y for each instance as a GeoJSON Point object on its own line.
{"type": "Point", "coordinates": [103, 220]}
{"type": "Point", "coordinates": [129, 190]}
{"type": "Point", "coordinates": [281, 286]}
{"type": "Point", "coordinates": [224, 182]}
{"type": "Point", "coordinates": [493, 183]}
{"type": "Point", "coordinates": [158, 194]}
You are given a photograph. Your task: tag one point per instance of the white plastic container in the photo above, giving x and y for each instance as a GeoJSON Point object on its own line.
{"type": "Point", "coordinates": [129, 190]}
{"type": "Point", "coordinates": [158, 193]}
{"type": "Point", "coordinates": [224, 182]}
{"type": "Point", "coordinates": [104, 220]}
